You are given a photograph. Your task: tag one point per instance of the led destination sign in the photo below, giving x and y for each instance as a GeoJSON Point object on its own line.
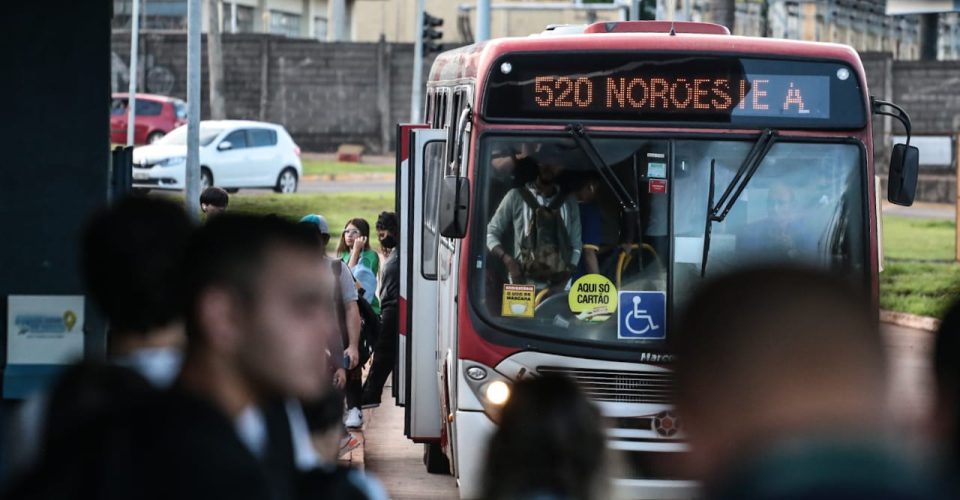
{"type": "Point", "coordinates": [677, 88]}
{"type": "Point", "coordinates": [758, 95]}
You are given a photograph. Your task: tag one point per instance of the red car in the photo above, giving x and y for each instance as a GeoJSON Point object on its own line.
{"type": "Point", "coordinates": [155, 116]}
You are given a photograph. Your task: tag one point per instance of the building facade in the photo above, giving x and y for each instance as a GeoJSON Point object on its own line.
{"type": "Point", "coordinates": [862, 24]}
{"type": "Point", "coordinates": [328, 20]}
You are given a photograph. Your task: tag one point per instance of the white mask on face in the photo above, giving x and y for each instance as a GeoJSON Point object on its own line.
{"type": "Point", "coordinates": [159, 365]}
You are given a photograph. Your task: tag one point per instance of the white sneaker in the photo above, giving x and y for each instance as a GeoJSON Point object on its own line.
{"type": "Point", "coordinates": [353, 418]}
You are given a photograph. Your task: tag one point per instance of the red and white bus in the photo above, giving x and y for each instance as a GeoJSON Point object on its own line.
{"type": "Point", "coordinates": [677, 152]}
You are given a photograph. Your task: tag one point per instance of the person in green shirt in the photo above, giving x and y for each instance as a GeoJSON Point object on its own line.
{"type": "Point", "coordinates": [354, 250]}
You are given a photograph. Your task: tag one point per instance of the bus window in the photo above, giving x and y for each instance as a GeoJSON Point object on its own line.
{"type": "Point", "coordinates": [551, 230]}
{"type": "Point", "coordinates": [550, 219]}
{"type": "Point", "coordinates": [433, 170]}
{"type": "Point", "coordinates": [802, 207]}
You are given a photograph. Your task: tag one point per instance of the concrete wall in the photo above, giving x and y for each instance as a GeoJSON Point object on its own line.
{"type": "Point", "coordinates": [927, 91]}
{"type": "Point", "coordinates": [325, 94]}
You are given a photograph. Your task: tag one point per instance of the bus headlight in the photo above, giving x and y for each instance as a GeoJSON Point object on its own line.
{"type": "Point", "coordinates": [497, 392]}
{"type": "Point", "coordinates": [490, 387]}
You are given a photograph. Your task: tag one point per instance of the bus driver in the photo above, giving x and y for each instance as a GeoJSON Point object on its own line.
{"type": "Point", "coordinates": [544, 224]}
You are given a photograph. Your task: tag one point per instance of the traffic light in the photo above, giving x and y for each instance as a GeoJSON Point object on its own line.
{"type": "Point", "coordinates": [431, 33]}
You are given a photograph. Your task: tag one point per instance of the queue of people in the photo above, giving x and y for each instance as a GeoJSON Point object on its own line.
{"type": "Point", "coordinates": [225, 370]}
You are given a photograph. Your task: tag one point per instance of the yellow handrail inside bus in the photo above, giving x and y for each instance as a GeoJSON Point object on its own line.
{"type": "Point", "coordinates": [540, 296]}
{"type": "Point", "coordinates": [623, 260]}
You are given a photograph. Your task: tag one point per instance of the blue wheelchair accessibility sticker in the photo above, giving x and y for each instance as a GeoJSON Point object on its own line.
{"type": "Point", "coordinates": [642, 315]}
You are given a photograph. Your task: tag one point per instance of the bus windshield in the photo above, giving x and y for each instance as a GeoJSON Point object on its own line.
{"type": "Point", "coordinates": [559, 255]}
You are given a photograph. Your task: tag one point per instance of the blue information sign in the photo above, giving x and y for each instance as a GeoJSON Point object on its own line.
{"type": "Point", "coordinates": [642, 315]}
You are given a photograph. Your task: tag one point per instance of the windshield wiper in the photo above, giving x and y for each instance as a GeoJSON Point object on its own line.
{"type": "Point", "coordinates": [627, 203]}
{"type": "Point", "coordinates": [718, 212]}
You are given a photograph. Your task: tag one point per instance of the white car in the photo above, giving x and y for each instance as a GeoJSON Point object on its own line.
{"type": "Point", "coordinates": [234, 154]}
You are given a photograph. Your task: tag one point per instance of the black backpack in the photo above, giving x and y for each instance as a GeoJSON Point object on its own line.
{"type": "Point", "coordinates": [369, 320]}
{"type": "Point", "coordinates": [545, 251]}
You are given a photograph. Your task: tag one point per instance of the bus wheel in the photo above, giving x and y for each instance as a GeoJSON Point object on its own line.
{"type": "Point", "coordinates": [434, 459]}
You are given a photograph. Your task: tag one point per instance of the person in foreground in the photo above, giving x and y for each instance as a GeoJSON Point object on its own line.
{"type": "Point", "coordinates": [946, 413]}
{"type": "Point", "coordinates": [783, 393]}
{"type": "Point", "coordinates": [131, 254]}
{"type": "Point", "coordinates": [550, 445]}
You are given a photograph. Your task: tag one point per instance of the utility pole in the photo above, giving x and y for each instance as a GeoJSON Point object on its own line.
{"type": "Point", "coordinates": [337, 30]}
{"type": "Point", "coordinates": [192, 179]}
{"type": "Point", "coordinates": [218, 109]}
{"type": "Point", "coordinates": [483, 20]}
{"type": "Point", "coordinates": [416, 97]}
{"type": "Point", "coordinates": [725, 13]}
{"type": "Point", "coordinates": [132, 90]}
{"type": "Point", "coordinates": [929, 36]}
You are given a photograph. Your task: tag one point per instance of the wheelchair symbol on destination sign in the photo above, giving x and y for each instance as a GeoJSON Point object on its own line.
{"type": "Point", "coordinates": [642, 315]}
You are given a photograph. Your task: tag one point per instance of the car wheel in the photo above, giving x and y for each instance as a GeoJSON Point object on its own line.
{"type": "Point", "coordinates": [206, 179]}
{"type": "Point", "coordinates": [154, 137]}
{"type": "Point", "coordinates": [286, 182]}
{"type": "Point", "coordinates": [232, 190]}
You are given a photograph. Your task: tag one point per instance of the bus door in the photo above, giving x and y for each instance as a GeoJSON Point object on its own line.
{"type": "Point", "coordinates": [403, 200]}
{"type": "Point", "coordinates": [419, 186]}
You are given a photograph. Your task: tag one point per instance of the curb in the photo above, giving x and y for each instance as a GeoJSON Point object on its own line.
{"type": "Point", "coordinates": [910, 320]}
{"type": "Point", "coordinates": [371, 177]}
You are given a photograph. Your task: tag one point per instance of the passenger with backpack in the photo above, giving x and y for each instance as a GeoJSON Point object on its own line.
{"type": "Point", "coordinates": [541, 222]}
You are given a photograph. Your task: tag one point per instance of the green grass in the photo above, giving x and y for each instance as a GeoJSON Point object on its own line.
{"type": "Point", "coordinates": [918, 239]}
{"type": "Point", "coordinates": [336, 207]}
{"type": "Point", "coordinates": [919, 274]}
{"type": "Point", "coordinates": [320, 167]}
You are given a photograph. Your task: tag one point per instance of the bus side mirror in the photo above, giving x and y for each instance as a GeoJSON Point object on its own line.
{"type": "Point", "coordinates": [904, 168]}
{"type": "Point", "coordinates": [454, 206]}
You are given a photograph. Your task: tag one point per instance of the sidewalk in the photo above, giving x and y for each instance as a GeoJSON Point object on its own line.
{"type": "Point", "coordinates": [398, 462]}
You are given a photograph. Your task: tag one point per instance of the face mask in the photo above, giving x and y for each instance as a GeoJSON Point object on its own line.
{"type": "Point", "coordinates": [388, 242]}
{"type": "Point", "coordinates": [159, 365]}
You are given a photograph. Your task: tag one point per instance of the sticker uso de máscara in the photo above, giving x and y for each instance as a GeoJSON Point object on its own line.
{"type": "Point", "coordinates": [518, 300]}
{"type": "Point", "coordinates": [593, 297]}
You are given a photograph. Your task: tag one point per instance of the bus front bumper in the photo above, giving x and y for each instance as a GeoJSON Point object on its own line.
{"type": "Point", "coordinates": [474, 430]}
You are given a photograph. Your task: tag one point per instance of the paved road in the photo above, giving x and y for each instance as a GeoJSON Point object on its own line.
{"type": "Point", "coordinates": [333, 187]}
{"type": "Point", "coordinates": [911, 374]}
{"type": "Point", "coordinates": [922, 211]}
{"type": "Point", "coordinates": [344, 186]}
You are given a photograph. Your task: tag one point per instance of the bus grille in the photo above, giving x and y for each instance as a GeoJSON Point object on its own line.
{"type": "Point", "coordinates": [619, 386]}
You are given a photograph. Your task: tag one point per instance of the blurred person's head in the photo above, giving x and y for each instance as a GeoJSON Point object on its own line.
{"type": "Point", "coordinates": [769, 355]}
{"type": "Point", "coordinates": [550, 442]}
{"type": "Point", "coordinates": [214, 200]}
{"type": "Point", "coordinates": [587, 192]}
{"type": "Point", "coordinates": [131, 258]}
{"type": "Point", "coordinates": [320, 228]}
{"type": "Point", "coordinates": [258, 307]}
{"type": "Point", "coordinates": [946, 367]}
{"type": "Point", "coordinates": [781, 201]}
{"type": "Point", "coordinates": [353, 229]}
{"type": "Point", "coordinates": [550, 163]}
{"type": "Point", "coordinates": [387, 229]}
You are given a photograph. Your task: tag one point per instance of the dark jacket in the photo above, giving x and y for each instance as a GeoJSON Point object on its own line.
{"type": "Point", "coordinates": [390, 284]}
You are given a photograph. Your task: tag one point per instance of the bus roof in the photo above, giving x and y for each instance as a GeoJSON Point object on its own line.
{"type": "Point", "coordinates": [472, 62]}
